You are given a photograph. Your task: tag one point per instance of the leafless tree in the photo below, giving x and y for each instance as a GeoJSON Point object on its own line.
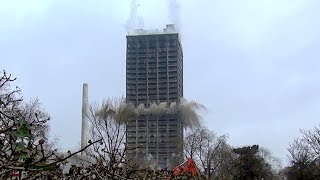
{"type": "Point", "coordinates": [33, 110]}
{"type": "Point", "coordinates": [304, 154]}
{"type": "Point", "coordinates": [272, 162]}
{"type": "Point", "coordinates": [207, 149]}
{"type": "Point", "coordinates": [108, 122]}
{"type": "Point", "coordinates": [22, 141]}
{"type": "Point", "coordinates": [218, 160]}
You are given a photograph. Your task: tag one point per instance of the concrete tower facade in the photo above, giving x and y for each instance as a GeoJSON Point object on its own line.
{"type": "Point", "coordinates": [154, 74]}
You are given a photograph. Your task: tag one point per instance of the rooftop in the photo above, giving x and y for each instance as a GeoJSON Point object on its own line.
{"type": "Point", "coordinates": [170, 29]}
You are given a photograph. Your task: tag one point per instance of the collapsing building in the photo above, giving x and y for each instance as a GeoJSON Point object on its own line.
{"type": "Point", "coordinates": [154, 76]}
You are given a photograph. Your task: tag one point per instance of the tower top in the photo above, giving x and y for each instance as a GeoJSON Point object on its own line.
{"type": "Point", "coordinates": [170, 29]}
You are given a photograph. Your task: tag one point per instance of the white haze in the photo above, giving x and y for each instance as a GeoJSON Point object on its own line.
{"type": "Point", "coordinates": [189, 111]}
{"type": "Point", "coordinates": [254, 64]}
{"type": "Point", "coordinates": [134, 21]}
{"type": "Point", "coordinates": [174, 13]}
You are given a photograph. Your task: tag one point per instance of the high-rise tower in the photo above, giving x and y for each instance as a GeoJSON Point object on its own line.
{"type": "Point", "coordinates": [154, 75]}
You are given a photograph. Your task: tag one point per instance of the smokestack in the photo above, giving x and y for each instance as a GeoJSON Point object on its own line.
{"type": "Point", "coordinates": [84, 116]}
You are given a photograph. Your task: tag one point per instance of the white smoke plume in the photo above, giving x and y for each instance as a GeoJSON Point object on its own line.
{"type": "Point", "coordinates": [121, 112]}
{"type": "Point", "coordinates": [130, 24]}
{"type": "Point", "coordinates": [134, 21]}
{"type": "Point", "coordinates": [174, 13]}
{"type": "Point", "coordinates": [188, 111]}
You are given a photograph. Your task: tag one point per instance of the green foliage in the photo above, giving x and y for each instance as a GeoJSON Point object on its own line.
{"type": "Point", "coordinates": [23, 129]}
{"type": "Point", "coordinates": [249, 164]}
{"type": "Point", "coordinates": [1, 145]}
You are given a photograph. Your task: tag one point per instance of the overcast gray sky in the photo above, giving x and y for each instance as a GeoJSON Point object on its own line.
{"type": "Point", "coordinates": [253, 63]}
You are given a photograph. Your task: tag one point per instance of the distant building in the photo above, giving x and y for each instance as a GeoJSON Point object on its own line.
{"type": "Point", "coordinates": [154, 74]}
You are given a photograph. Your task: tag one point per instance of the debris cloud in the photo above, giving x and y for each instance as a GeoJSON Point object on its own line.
{"type": "Point", "coordinates": [187, 110]}
{"type": "Point", "coordinates": [174, 12]}
{"type": "Point", "coordinates": [134, 21]}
